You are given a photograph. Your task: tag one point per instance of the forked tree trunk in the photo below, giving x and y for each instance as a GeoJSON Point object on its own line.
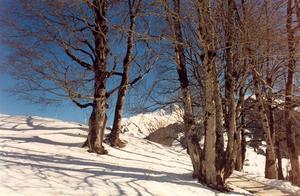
{"type": "Point", "coordinates": [271, 166]}
{"type": "Point", "coordinates": [290, 131]}
{"type": "Point", "coordinates": [114, 136]}
{"type": "Point", "coordinates": [212, 174]}
{"type": "Point", "coordinates": [97, 119]}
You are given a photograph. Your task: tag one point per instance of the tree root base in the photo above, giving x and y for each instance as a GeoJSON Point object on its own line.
{"type": "Point", "coordinates": [118, 143]}
{"type": "Point", "coordinates": [98, 151]}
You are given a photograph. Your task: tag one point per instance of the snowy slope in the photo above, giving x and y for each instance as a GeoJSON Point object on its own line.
{"type": "Point", "coordinates": [40, 156]}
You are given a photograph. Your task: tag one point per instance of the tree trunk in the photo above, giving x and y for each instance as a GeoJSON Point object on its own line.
{"type": "Point", "coordinates": [96, 127]}
{"type": "Point", "coordinates": [114, 136]}
{"type": "Point", "coordinates": [269, 93]}
{"type": "Point", "coordinates": [230, 91]}
{"type": "Point", "coordinates": [241, 138]}
{"type": "Point", "coordinates": [243, 145]}
{"type": "Point", "coordinates": [279, 160]}
{"type": "Point", "coordinates": [220, 159]}
{"type": "Point", "coordinates": [271, 167]}
{"type": "Point", "coordinates": [98, 118]}
{"type": "Point", "coordinates": [209, 172]}
{"type": "Point", "coordinates": [290, 132]}
{"type": "Point", "coordinates": [193, 146]}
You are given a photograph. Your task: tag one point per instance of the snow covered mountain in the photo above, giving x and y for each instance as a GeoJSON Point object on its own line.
{"type": "Point", "coordinates": [144, 124]}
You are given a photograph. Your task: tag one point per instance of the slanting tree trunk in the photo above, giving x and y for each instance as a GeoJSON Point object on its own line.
{"type": "Point", "coordinates": [271, 167]}
{"type": "Point", "coordinates": [290, 132]}
{"type": "Point", "coordinates": [97, 119]}
{"type": "Point", "coordinates": [193, 147]}
{"type": "Point", "coordinates": [114, 136]}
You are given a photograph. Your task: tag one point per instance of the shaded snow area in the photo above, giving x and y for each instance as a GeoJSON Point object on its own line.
{"type": "Point", "coordinates": [40, 156]}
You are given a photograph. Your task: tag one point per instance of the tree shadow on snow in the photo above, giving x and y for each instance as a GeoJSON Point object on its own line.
{"type": "Point", "coordinates": [6, 120]}
{"type": "Point", "coordinates": [91, 169]}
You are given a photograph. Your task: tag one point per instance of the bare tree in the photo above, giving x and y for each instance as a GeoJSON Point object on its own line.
{"type": "Point", "coordinates": [114, 136]}
{"type": "Point", "coordinates": [65, 55]}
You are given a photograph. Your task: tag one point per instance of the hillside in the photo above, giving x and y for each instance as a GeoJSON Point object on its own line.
{"type": "Point", "coordinates": [44, 155]}
{"type": "Point", "coordinates": [41, 156]}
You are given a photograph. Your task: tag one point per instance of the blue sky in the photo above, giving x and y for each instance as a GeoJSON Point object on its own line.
{"type": "Point", "coordinates": [12, 105]}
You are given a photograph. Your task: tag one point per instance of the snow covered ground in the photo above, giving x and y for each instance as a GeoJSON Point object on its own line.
{"type": "Point", "coordinates": [40, 156]}
{"type": "Point", "coordinates": [254, 167]}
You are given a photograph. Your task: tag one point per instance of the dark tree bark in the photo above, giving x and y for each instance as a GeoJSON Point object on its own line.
{"type": "Point", "coordinates": [279, 159]}
{"type": "Point", "coordinates": [114, 136]}
{"type": "Point", "coordinates": [230, 92]}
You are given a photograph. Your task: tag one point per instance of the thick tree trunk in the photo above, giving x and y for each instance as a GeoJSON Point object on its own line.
{"type": "Point", "coordinates": [271, 167]}
{"type": "Point", "coordinates": [97, 123]}
{"type": "Point", "coordinates": [114, 136]}
{"type": "Point", "coordinates": [290, 132]}
{"type": "Point", "coordinates": [209, 172]}
{"type": "Point", "coordinates": [98, 119]}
